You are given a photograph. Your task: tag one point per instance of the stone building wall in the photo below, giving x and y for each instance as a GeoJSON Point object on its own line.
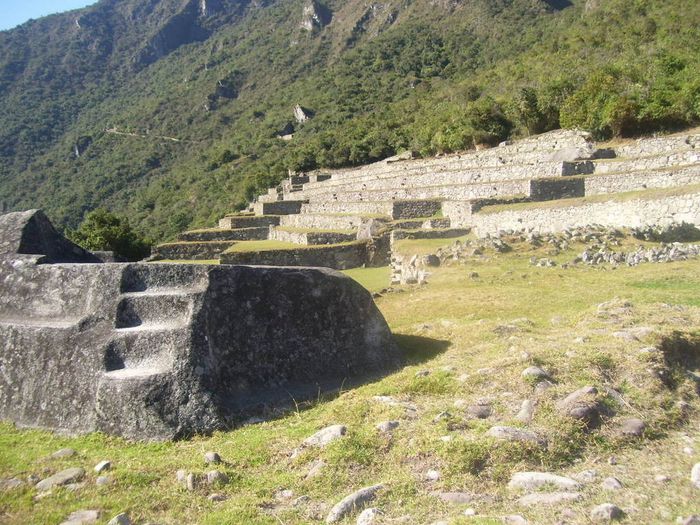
{"type": "Point", "coordinates": [310, 238]}
{"type": "Point", "coordinates": [632, 213]}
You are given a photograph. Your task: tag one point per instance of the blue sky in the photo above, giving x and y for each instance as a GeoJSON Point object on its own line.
{"type": "Point", "coordinates": [15, 12]}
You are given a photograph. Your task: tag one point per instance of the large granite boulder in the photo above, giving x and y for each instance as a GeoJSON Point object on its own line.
{"type": "Point", "coordinates": [160, 351]}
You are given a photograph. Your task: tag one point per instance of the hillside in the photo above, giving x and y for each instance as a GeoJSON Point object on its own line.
{"type": "Point", "coordinates": [169, 111]}
{"type": "Point", "coordinates": [491, 342]}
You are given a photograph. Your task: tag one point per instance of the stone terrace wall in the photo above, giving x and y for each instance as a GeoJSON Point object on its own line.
{"type": "Point", "coordinates": [631, 213]}
{"type": "Point", "coordinates": [657, 146]}
{"type": "Point", "coordinates": [665, 178]}
{"type": "Point", "coordinates": [313, 238]}
{"type": "Point", "coordinates": [663, 160]}
{"type": "Point", "coordinates": [338, 257]}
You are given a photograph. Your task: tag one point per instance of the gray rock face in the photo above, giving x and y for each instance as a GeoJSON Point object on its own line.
{"type": "Point", "coordinates": [352, 503]}
{"type": "Point", "coordinates": [64, 477]}
{"type": "Point", "coordinates": [120, 519]}
{"type": "Point", "coordinates": [82, 517]}
{"type": "Point", "coordinates": [695, 476]}
{"type": "Point", "coordinates": [156, 351]}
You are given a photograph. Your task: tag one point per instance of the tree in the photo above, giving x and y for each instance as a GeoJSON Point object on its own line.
{"type": "Point", "coordinates": [102, 230]}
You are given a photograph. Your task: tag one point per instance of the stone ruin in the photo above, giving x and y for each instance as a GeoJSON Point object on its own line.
{"type": "Point", "coordinates": [162, 351]}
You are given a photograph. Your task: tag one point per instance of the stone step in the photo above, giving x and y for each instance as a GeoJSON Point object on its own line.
{"type": "Point", "coordinates": [324, 221]}
{"type": "Point", "coordinates": [167, 278]}
{"type": "Point", "coordinates": [665, 160]}
{"type": "Point", "coordinates": [248, 221]}
{"type": "Point", "coordinates": [149, 346]}
{"type": "Point", "coordinates": [222, 234]}
{"type": "Point", "coordinates": [311, 236]}
{"type": "Point", "coordinates": [190, 251]}
{"type": "Point", "coordinates": [278, 208]}
{"type": "Point", "coordinates": [337, 256]}
{"type": "Point", "coordinates": [404, 209]}
{"type": "Point", "coordinates": [139, 309]}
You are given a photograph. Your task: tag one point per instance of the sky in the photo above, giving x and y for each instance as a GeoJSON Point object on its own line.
{"type": "Point", "coordinates": [16, 12]}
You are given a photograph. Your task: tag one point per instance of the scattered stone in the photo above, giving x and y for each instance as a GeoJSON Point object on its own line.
{"type": "Point", "coordinates": [82, 517]}
{"type": "Point", "coordinates": [662, 478]}
{"type": "Point", "coordinates": [368, 516]}
{"type": "Point", "coordinates": [64, 477]}
{"type": "Point", "coordinates": [530, 481]}
{"type": "Point", "coordinates": [695, 476]}
{"type": "Point", "coordinates": [103, 481]}
{"type": "Point", "coordinates": [352, 503]}
{"type": "Point", "coordinates": [325, 436]}
{"type": "Point", "coordinates": [611, 484]}
{"type": "Point", "coordinates": [632, 427]}
{"type": "Point", "coordinates": [606, 512]}
{"type": "Point", "coordinates": [586, 476]}
{"type": "Point", "coordinates": [690, 520]}
{"type": "Point", "coordinates": [516, 434]}
{"type": "Point", "coordinates": [216, 497]}
{"type": "Point", "coordinates": [10, 484]}
{"type": "Point", "coordinates": [102, 466]}
{"type": "Point", "coordinates": [514, 519]}
{"type": "Point", "coordinates": [582, 404]}
{"type": "Point", "coordinates": [215, 477]}
{"type": "Point", "coordinates": [387, 426]}
{"type": "Point", "coordinates": [527, 409]}
{"type": "Point", "coordinates": [284, 494]}
{"type": "Point", "coordinates": [542, 387]}
{"type": "Point", "coordinates": [550, 498]}
{"type": "Point", "coordinates": [315, 469]}
{"type": "Point", "coordinates": [446, 439]}
{"type": "Point", "coordinates": [534, 372]}
{"type": "Point", "coordinates": [120, 519]}
{"type": "Point", "coordinates": [301, 500]}
{"type": "Point", "coordinates": [456, 498]}
{"type": "Point", "coordinates": [442, 416]}
{"type": "Point", "coordinates": [191, 482]}
{"type": "Point", "coordinates": [612, 460]}
{"type": "Point", "coordinates": [469, 512]}
{"type": "Point", "coordinates": [423, 373]}
{"type": "Point", "coordinates": [212, 458]}
{"type": "Point", "coordinates": [63, 453]}
{"type": "Point", "coordinates": [432, 475]}
{"type": "Point", "coordinates": [481, 410]}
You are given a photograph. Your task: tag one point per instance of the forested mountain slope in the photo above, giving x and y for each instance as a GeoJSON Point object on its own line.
{"type": "Point", "coordinates": [169, 111]}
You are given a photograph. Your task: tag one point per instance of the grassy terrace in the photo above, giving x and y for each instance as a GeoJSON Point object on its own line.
{"type": "Point", "coordinates": [474, 336]}
{"type": "Point", "coordinates": [658, 193]}
{"type": "Point", "coordinates": [312, 230]}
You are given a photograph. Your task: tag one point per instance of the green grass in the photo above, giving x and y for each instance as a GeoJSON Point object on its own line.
{"type": "Point", "coordinates": [449, 328]}
{"type": "Point", "coordinates": [373, 279]}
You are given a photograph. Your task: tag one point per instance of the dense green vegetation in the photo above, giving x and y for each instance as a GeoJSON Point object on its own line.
{"type": "Point", "coordinates": [171, 118]}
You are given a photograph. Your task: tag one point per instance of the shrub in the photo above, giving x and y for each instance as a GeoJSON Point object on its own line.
{"type": "Point", "coordinates": [102, 230]}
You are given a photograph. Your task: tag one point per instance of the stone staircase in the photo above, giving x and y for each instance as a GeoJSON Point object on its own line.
{"type": "Point", "coordinates": [325, 216]}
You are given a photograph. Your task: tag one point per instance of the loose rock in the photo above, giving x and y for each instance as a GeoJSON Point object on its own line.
{"type": "Point", "coordinates": [352, 503]}
{"type": "Point", "coordinates": [456, 498]}
{"type": "Point", "coordinates": [63, 453]}
{"type": "Point", "coordinates": [611, 484]}
{"type": "Point", "coordinates": [387, 426]}
{"type": "Point", "coordinates": [326, 436]}
{"type": "Point", "coordinates": [632, 427]}
{"type": "Point", "coordinates": [82, 517]}
{"type": "Point", "coordinates": [534, 373]}
{"type": "Point", "coordinates": [216, 477]}
{"type": "Point", "coordinates": [103, 481]}
{"type": "Point", "coordinates": [120, 519]}
{"type": "Point", "coordinates": [533, 480]}
{"type": "Point", "coordinates": [64, 477]}
{"type": "Point", "coordinates": [481, 410]}
{"type": "Point", "coordinates": [315, 469]}
{"type": "Point", "coordinates": [514, 519]}
{"type": "Point", "coordinates": [695, 476]}
{"type": "Point", "coordinates": [551, 498]}
{"type": "Point", "coordinates": [606, 512]}
{"type": "Point", "coordinates": [10, 484]}
{"type": "Point", "coordinates": [217, 497]}
{"type": "Point", "coordinates": [582, 404]}
{"type": "Point", "coordinates": [368, 516]}
{"type": "Point", "coordinates": [102, 466]}
{"type": "Point", "coordinates": [212, 458]}
{"type": "Point", "coordinates": [516, 434]}
{"type": "Point", "coordinates": [432, 475]}
{"type": "Point", "coordinates": [527, 409]}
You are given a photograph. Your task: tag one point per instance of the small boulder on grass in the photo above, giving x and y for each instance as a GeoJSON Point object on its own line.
{"type": "Point", "coordinates": [352, 503]}
{"type": "Point", "coordinates": [325, 436]}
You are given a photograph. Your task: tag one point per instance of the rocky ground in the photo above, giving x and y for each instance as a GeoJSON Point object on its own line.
{"type": "Point", "coordinates": [532, 394]}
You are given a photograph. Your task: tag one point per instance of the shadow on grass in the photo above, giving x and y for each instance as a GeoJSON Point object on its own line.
{"type": "Point", "coordinates": [418, 349]}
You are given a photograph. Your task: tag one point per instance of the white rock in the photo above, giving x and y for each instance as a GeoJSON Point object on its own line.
{"type": "Point", "coordinates": [515, 434]}
{"type": "Point", "coordinates": [325, 436]}
{"type": "Point", "coordinates": [611, 484]}
{"type": "Point", "coordinates": [63, 453]}
{"type": "Point", "coordinates": [212, 458]}
{"type": "Point", "coordinates": [120, 519]}
{"type": "Point", "coordinates": [215, 477]}
{"type": "Point", "coordinates": [548, 498]}
{"type": "Point", "coordinates": [82, 517]}
{"type": "Point", "coordinates": [695, 476]}
{"type": "Point", "coordinates": [352, 503]}
{"type": "Point", "coordinates": [102, 466]}
{"type": "Point", "coordinates": [533, 480]}
{"type": "Point", "coordinates": [368, 516]}
{"type": "Point", "coordinates": [606, 512]}
{"type": "Point", "coordinates": [387, 426]}
{"type": "Point", "coordinates": [432, 475]}
{"type": "Point", "coordinates": [514, 519]}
